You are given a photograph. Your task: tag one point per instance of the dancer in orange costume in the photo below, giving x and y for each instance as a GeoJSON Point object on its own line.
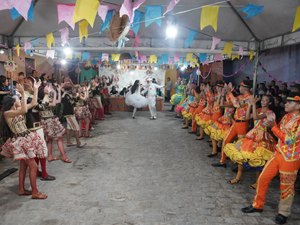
{"type": "Point", "coordinates": [221, 126]}
{"type": "Point", "coordinates": [240, 125]}
{"type": "Point", "coordinates": [286, 161]}
{"type": "Point", "coordinates": [201, 106]}
{"type": "Point", "coordinates": [257, 147]}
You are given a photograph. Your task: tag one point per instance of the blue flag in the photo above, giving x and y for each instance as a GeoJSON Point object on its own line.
{"type": "Point", "coordinates": [138, 18]}
{"type": "Point", "coordinates": [252, 10]}
{"type": "Point", "coordinates": [203, 57]}
{"type": "Point", "coordinates": [165, 58]}
{"type": "Point", "coordinates": [14, 14]}
{"type": "Point", "coordinates": [191, 36]}
{"type": "Point", "coordinates": [105, 25]}
{"type": "Point", "coordinates": [153, 14]}
{"type": "Point", "coordinates": [85, 56]}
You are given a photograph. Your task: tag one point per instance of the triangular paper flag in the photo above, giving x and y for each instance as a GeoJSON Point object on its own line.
{"type": "Point", "coordinates": [50, 54]}
{"type": "Point", "coordinates": [104, 8]}
{"type": "Point", "coordinates": [228, 49]}
{"type": "Point", "coordinates": [252, 10]}
{"type": "Point", "coordinates": [203, 57]}
{"type": "Point", "coordinates": [6, 4]}
{"type": "Point", "coordinates": [105, 57]}
{"type": "Point", "coordinates": [128, 8]}
{"type": "Point", "coordinates": [85, 56]}
{"type": "Point", "coordinates": [18, 49]}
{"type": "Point", "coordinates": [251, 55]}
{"type": "Point", "coordinates": [50, 40]}
{"type": "Point", "coordinates": [234, 56]}
{"type": "Point", "coordinates": [153, 14]}
{"type": "Point", "coordinates": [83, 29]}
{"type": "Point", "coordinates": [209, 17]}
{"type": "Point", "coordinates": [191, 36]}
{"type": "Point", "coordinates": [27, 46]}
{"type": "Point", "coordinates": [115, 57]}
{"type": "Point", "coordinates": [65, 13]}
{"type": "Point", "coordinates": [137, 21]}
{"type": "Point", "coordinates": [171, 6]}
{"type": "Point", "coordinates": [189, 57]}
{"type": "Point", "coordinates": [296, 25]}
{"type": "Point", "coordinates": [176, 58]}
{"type": "Point", "coordinates": [153, 59]}
{"type": "Point", "coordinates": [165, 58]}
{"type": "Point", "coordinates": [22, 7]}
{"type": "Point", "coordinates": [64, 36]}
{"type": "Point", "coordinates": [86, 10]}
{"type": "Point", "coordinates": [105, 25]}
{"type": "Point", "coordinates": [215, 42]}
{"type": "Point", "coordinates": [241, 50]}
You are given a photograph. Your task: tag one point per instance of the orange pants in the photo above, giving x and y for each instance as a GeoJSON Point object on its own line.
{"type": "Point", "coordinates": [288, 174]}
{"type": "Point", "coordinates": [197, 111]}
{"type": "Point", "coordinates": [237, 129]}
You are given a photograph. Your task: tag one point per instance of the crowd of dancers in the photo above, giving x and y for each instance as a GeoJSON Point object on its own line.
{"type": "Point", "coordinates": [260, 132]}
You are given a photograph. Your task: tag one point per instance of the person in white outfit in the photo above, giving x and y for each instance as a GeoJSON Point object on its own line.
{"type": "Point", "coordinates": [150, 88]}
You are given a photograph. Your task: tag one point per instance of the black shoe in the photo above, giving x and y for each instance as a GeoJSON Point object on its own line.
{"type": "Point", "coordinates": [133, 117]}
{"type": "Point", "coordinates": [219, 149]}
{"type": "Point", "coordinates": [251, 209]}
{"type": "Point", "coordinates": [219, 165]}
{"type": "Point", "coordinates": [212, 155]}
{"type": "Point", "coordinates": [280, 219]}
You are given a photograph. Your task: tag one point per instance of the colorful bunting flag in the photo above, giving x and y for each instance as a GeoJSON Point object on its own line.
{"type": "Point", "coordinates": [228, 49]}
{"type": "Point", "coordinates": [215, 42]}
{"type": "Point", "coordinates": [190, 58]}
{"type": "Point", "coordinates": [202, 57]}
{"type": "Point", "coordinates": [209, 17]}
{"type": "Point", "coordinates": [137, 21]}
{"type": "Point", "coordinates": [153, 59]}
{"type": "Point", "coordinates": [234, 56]}
{"type": "Point", "coordinates": [14, 14]}
{"type": "Point", "coordinates": [83, 29]}
{"type": "Point", "coordinates": [105, 25]}
{"type": "Point", "coordinates": [171, 6]}
{"type": "Point", "coordinates": [6, 4]}
{"type": "Point", "coordinates": [86, 10]}
{"type": "Point", "coordinates": [165, 58]}
{"type": "Point", "coordinates": [251, 55]}
{"type": "Point", "coordinates": [22, 7]}
{"type": "Point", "coordinates": [153, 14]}
{"type": "Point", "coordinates": [115, 57]}
{"type": "Point", "coordinates": [85, 56]}
{"type": "Point", "coordinates": [296, 25]}
{"type": "Point", "coordinates": [104, 8]}
{"type": "Point", "coordinates": [143, 58]}
{"type": "Point", "coordinates": [64, 35]}
{"type": "Point", "coordinates": [176, 58]}
{"type": "Point", "coordinates": [191, 36]}
{"type": "Point", "coordinates": [105, 57]}
{"type": "Point", "coordinates": [18, 49]}
{"type": "Point", "coordinates": [128, 7]}
{"type": "Point", "coordinates": [50, 40]}
{"type": "Point", "coordinates": [65, 13]}
{"type": "Point", "coordinates": [241, 51]}
{"type": "Point", "coordinates": [252, 10]}
{"type": "Point", "coordinates": [50, 54]}
{"type": "Point", "coordinates": [27, 46]}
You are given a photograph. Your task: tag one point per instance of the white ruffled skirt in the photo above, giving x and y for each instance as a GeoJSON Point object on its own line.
{"type": "Point", "coordinates": [136, 100]}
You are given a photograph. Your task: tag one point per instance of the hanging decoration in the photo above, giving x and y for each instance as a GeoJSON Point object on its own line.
{"type": "Point", "coordinates": [105, 57]}
{"type": "Point", "coordinates": [50, 40]}
{"type": "Point", "coordinates": [14, 14]}
{"type": "Point", "coordinates": [17, 7]}
{"type": "Point", "coordinates": [50, 54]}
{"type": "Point", "coordinates": [252, 10]}
{"type": "Point", "coordinates": [228, 49]}
{"type": "Point", "coordinates": [251, 55]}
{"type": "Point", "coordinates": [65, 13]}
{"type": "Point", "coordinates": [27, 47]}
{"type": "Point", "coordinates": [153, 14]}
{"type": "Point", "coordinates": [218, 57]}
{"type": "Point", "coordinates": [215, 42]}
{"type": "Point", "coordinates": [115, 57]}
{"type": "Point", "coordinates": [18, 49]}
{"type": "Point", "coordinates": [165, 58]}
{"type": "Point", "coordinates": [176, 58]}
{"type": "Point", "coordinates": [128, 8]}
{"type": "Point", "coordinates": [64, 35]}
{"type": "Point", "coordinates": [296, 25]}
{"type": "Point", "coordinates": [86, 10]}
{"type": "Point", "coordinates": [10, 66]}
{"type": "Point", "coordinates": [234, 56]}
{"type": "Point", "coordinates": [202, 57]}
{"type": "Point", "coordinates": [209, 17]}
{"type": "Point", "coordinates": [104, 8]}
{"type": "Point", "coordinates": [137, 21]}
{"type": "Point", "coordinates": [241, 51]}
{"type": "Point", "coordinates": [191, 36]}
{"type": "Point", "coordinates": [85, 56]}
{"type": "Point", "coordinates": [153, 59]}
{"type": "Point", "coordinates": [171, 6]}
{"type": "Point", "coordinates": [83, 30]}
{"type": "Point", "coordinates": [105, 25]}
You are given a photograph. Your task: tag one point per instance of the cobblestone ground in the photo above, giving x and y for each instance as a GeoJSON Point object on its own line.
{"type": "Point", "coordinates": [138, 172]}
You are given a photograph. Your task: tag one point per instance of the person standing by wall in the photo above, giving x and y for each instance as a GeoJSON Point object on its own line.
{"type": "Point", "coordinates": [168, 89]}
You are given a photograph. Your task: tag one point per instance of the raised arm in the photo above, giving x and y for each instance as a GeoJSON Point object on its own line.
{"type": "Point", "coordinates": [34, 102]}
{"type": "Point", "coordinates": [21, 110]}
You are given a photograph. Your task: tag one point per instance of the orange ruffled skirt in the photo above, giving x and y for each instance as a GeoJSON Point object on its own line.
{"type": "Point", "coordinates": [217, 130]}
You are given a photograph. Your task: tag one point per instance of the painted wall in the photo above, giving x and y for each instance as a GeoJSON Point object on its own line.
{"type": "Point", "coordinates": [282, 63]}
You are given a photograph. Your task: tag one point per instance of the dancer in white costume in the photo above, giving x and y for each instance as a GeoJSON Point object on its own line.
{"type": "Point", "coordinates": [135, 99]}
{"type": "Point", "coordinates": [151, 96]}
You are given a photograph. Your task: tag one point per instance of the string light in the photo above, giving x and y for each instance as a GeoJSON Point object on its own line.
{"type": "Point", "coordinates": [2, 51]}
{"type": "Point", "coordinates": [68, 51]}
{"type": "Point", "coordinates": [63, 62]}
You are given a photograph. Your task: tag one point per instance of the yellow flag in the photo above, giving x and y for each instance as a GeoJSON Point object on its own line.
{"type": "Point", "coordinates": [18, 49]}
{"type": "Point", "coordinates": [189, 57]}
{"type": "Point", "coordinates": [153, 59]}
{"type": "Point", "coordinates": [50, 40]}
{"type": "Point", "coordinates": [209, 17]}
{"type": "Point", "coordinates": [228, 49]}
{"type": "Point", "coordinates": [115, 57]}
{"type": "Point", "coordinates": [251, 55]}
{"type": "Point", "coordinates": [297, 20]}
{"type": "Point", "coordinates": [86, 9]}
{"type": "Point", "coordinates": [83, 29]}
{"type": "Point", "coordinates": [234, 56]}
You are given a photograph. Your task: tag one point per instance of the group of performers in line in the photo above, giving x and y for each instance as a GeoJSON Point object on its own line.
{"type": "Point", "coordinates": [224, 113]}
{"type": "Point", "coordinates": [37, 112]}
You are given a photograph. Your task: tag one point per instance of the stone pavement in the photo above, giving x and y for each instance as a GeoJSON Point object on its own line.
{"type": "Point", "coordinates": [138, 172]}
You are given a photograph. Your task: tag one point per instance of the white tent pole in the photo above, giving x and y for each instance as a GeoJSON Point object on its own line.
{"type": "Point", "coordinates": [256, 67]}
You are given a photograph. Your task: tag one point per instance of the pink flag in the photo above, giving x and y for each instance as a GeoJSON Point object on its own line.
{"type": "Point", "coordinates": [6, 4]}
{"type": "Point", "coordinates": [22, 7]}
{"type": "Point", "coordinates": [104, 8]}
{"type": "Point", "coordinates": [176, 57]}
{"type": "Point", "coordinates": [50, 54]}
{"type": "Point", "coordinates": [65, 13]}
{"type": "Point", "coordinates": [143, 58]}
{"type": "Point", "coordinates": [27, 46]}
{"type": "Point", "coordinates": [64, 35]}
{"type": "Point", "coordinates": [136, 41]}
{"type": "Point", "coordinates": [218, 57]}
{"type": "Point", "coordinates": [215, 42]}
{"type": "Point", "coordinates": [128, 8]}
{"type": "Point", "coordinates": [105, 57]}
{"type": "Point", "coordinates": [241, 50]}
{"type": "Point", "coordinates": [171, 6]}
